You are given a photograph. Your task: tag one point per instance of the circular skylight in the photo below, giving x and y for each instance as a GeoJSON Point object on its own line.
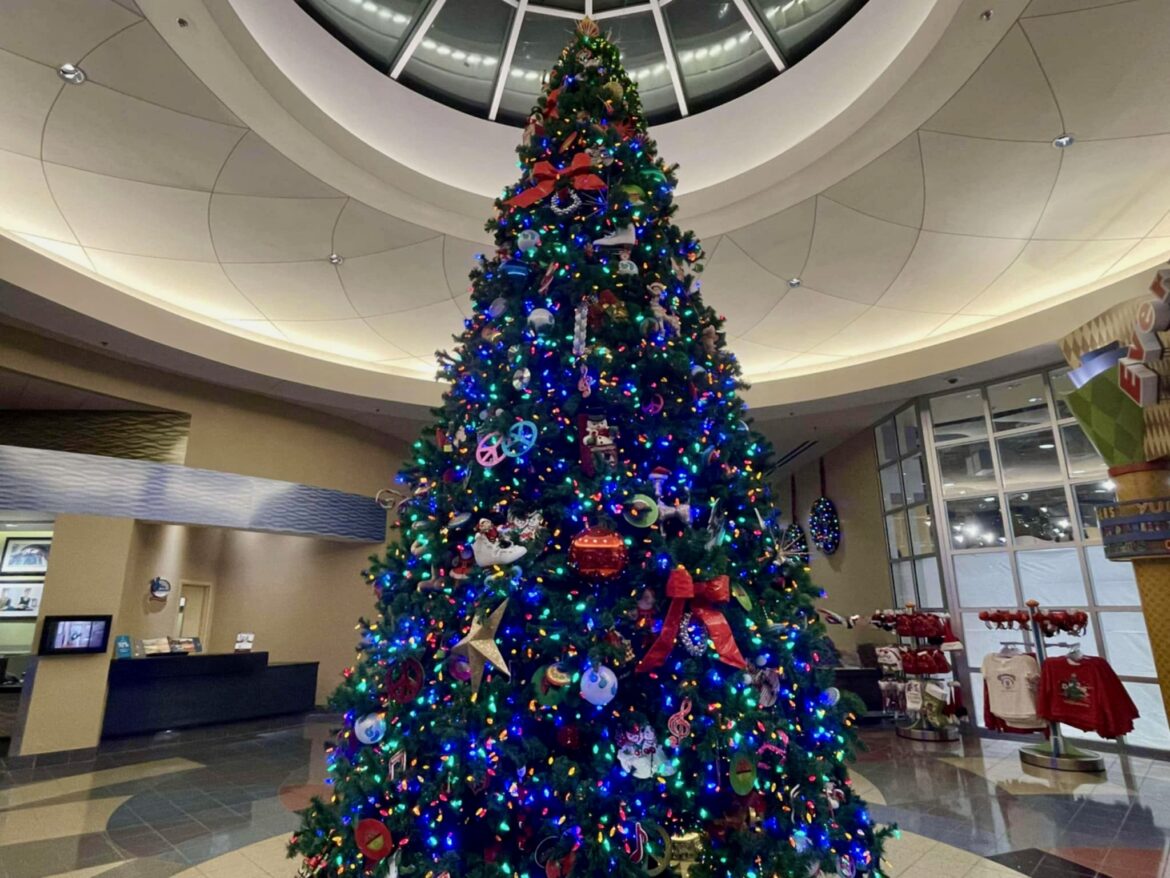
{"type": "Point", "coordinates": [488, 57]}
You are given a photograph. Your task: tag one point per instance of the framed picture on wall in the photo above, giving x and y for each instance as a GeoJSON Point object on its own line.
{"type": "Point", "coordinates": [20, 600]}
{"type": "Point", "coordinates": [25, 556]}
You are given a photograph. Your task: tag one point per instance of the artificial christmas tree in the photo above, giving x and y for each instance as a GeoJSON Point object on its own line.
{"type": "Point", "coordinates": [593, 655]}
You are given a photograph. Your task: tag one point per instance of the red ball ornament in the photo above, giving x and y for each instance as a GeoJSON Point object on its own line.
{"type": "Point", "coordinates": [373, 839]}
{"type": "Point", "coordinates": [598, 553]}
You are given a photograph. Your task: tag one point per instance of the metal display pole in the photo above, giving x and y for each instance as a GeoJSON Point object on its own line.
{"type": "Point", "coordinates": [1056, 753]}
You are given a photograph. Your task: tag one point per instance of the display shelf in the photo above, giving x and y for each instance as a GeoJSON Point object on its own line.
{"type": "Point", "coordinates": [920, 729]}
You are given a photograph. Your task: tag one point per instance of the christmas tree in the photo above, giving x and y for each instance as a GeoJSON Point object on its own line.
{"type": "Point", "coordinates": [595, 653]}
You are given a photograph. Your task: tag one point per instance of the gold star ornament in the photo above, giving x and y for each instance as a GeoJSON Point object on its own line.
{"type": "Point", "coordinates": [480, 646]}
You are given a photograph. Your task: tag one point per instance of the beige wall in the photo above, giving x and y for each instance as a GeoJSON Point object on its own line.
{"type": "Point", "coordinates": [856, 578]}
{"type": "Point", "coordinates": [65, 703]}
{"type": "Point", "coordinates": [231, 431]}
{"type": "Point", "coordinates": [300, 596]}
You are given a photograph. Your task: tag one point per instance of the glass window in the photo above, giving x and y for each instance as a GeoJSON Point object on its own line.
{"type": "Point", "coordinates": [913, 480]}
{"type": "Point", "coordinates": [1150, 730]}
{"type": "Point", "coordinates": [1061, 387]}
{"type": "Point", "coordinates": [921, 538]}
{"type": "Point", "coordinates": [903, 572]}
{"type": "Point", "coordinates": [1040, 516]}
{"type": "Point", "coordinates": [801, 27]}
{"type": "Point", "coordinates": [985, 580]}
{"type": "Point", "coordinates": [1029, 459]}
{"type": "Point", "coordinates": [958, 416]}
{"type": "Point", "coordinates": [898, 535]}
{"type": "Point", "coordinates": [373, 31]}
{"type": "Point", "coordinates": [1127, 644]}
{"type": "Point", "coordinates": [1114, 584]}
{"type": "Point", "coordinates": [980, 640]}
{"type": "Point", "coordinates": [646, 63]}
{"type": "Point", "coordinates": [966, 469]}
{"type": "Point", "coordinates": [930, 590]}
{"type": "Point", "coordinates": [718, 54]}
{"type": "Point", "coordinates": [909, 433]}
{"type": "Point", "coordinates": [1053, 577]}
{"type": "Point", "coordinates": [975, 523]}
{"type": "Point", "coordinates": [1018, 403]}
{"type": "Point", "coordinates": [886, 436]}
{"type": "Point", "coordinates": [542, 37]}
{"type": "Point", "coordinates": [1089, 497]}
{"type": "Point", "coordinates": [458, 60]}
{"type": "Point", "coordinates": [1083, 460]}
{"type": "Point", "coordinates": [892, 495]}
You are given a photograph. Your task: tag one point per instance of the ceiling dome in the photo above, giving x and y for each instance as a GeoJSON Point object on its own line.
{"type": "Point", "coordinates": [488, 58]}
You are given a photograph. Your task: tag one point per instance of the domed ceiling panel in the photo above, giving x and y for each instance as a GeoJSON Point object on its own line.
{"type": "Point", "coordinates": [977, 186]}
{"type": "Point", "coordinates": [1089, 61]}
{"type": "Point", "coordinates": [144, 176]}
{"type": "Point", "coordinates": [252, 228]}
{"type": "Point", "coordinates": [945, 272]}
{"type": "Point", "coordinates": [855, 256]}
{"type": "Point", "coordinates": [136, 140]}
{"type": "Point", "coordinates": [28, 93]}
{"type": "Point", "coordinates": [138, 62]}
{"type": "Point", "coordinates": [978, 109]}
{"type": "Point", "coordinates": [292, 290]}
{"type": "Point", "coordinates": [199, 287]}
{"type": "Point", "coordinates": [112, 213]}
{"type": "Point", "coordinates": [890, 187]}
{"type": "Point", "coordinates": [256, 168]}
{"type": "Point", "coordinates": [1110, 189]}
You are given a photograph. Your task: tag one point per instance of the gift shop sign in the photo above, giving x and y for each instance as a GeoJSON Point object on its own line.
{"type": "Point", "coordinates": [1135, 376]}
{"type": "Point", "coordinates": [1137, 529]}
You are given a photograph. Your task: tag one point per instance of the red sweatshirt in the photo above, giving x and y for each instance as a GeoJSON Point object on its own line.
{"type": "Point", "coordinates": [1086, 695]}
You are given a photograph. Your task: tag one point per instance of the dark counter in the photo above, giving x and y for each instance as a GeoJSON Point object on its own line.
{"type": "Point", "coordinates": [179, 691]}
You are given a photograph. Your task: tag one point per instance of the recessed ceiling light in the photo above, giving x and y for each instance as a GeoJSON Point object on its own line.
{"type": "Point", "coordinates": [987, 14]}
{"type": "Point", "coordinates": [336, 259]}
{"type": "Point", "coordinates": [794, 282]}
{"type": "Point", "coordinates": [71, 73]}
{"type": "Point", "coordinates": [1065, 140]}
{"type": "Point", "coordinates": [1047, 445]}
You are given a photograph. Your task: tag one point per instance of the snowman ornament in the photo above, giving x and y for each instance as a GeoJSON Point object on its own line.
{"type": "Point", "coordinates": [641, 755]}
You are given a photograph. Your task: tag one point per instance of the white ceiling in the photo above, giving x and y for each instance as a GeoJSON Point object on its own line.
{"type": "Point", "coordinates": [145, 179]}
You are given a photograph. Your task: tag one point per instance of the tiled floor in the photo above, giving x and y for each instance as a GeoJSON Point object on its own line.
{"type": "Point", "coordinates": [221, 803]}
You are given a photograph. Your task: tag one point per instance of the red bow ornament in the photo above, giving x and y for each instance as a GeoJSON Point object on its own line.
{"type": "Point", "coordinates": [579, 175]}
{"type": "Point", "coordinates": [705, 598]}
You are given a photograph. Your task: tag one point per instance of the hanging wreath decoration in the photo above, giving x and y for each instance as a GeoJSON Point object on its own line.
{"type": "Point", "coordinates": [824, 525]}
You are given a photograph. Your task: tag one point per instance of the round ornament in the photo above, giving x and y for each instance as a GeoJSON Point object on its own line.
{"type": "Point", "coordinates": [539, 318]}
{"type": "Point", "coordinates": [599, 685]}
{"type": "Point", "coordinates": [497, 308]}
{"type": "Point", "coordinates": [569, 736]}
{"type": "Point", "coordinates": [373, 839]}
{"type": "Point", "coordinates": [846, 866]}
{"type": "Point", "coordinates": [521, 378]}
{"type": "Point", "coordinates": [743, 774]}
{"type": "Point", "coordinates": [627, 266]}
{"type": "Point", "coordinates": [371, 728]}
{"type": "Point", "coordinates": [641, 511]}
{"type": "Point", "coordinates": [459, 667]}
{"type": "Point", "coordinates": [824, 526]}
{"type": "Point", "coordinates": [404, 680]}
{"type": "Point", "coordinates": [831, 696]}
{"type": "Point", "coordinates": [598, 553]}
{"type": "Point", "coordinates": [515, 271]}
{"type": "Point", "coordinates": [528, 239]}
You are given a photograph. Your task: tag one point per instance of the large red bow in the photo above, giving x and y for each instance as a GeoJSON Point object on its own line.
{"type": "Point", "coordinates": [705, 598]}
{"type": "Point", "coordinates": [579, 174]}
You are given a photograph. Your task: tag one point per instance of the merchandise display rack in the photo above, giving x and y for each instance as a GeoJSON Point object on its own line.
{"type": "Point", "coordinates": [920, 728]}
{"type": "Point", "coordinates": [1057, 754]}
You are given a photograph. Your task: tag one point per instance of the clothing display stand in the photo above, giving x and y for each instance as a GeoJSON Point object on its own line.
{"type": "Point", "coordinates": [1057, 753]}
{"type": "Point", "coordinates": [920, 729]}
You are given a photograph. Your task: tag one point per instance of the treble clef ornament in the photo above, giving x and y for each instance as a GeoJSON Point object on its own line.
{"type": "Point", "coordinates": [679, 728]}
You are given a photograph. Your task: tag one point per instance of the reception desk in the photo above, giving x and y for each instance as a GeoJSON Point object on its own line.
{"type": "Point", "coordinates": [154, 694]}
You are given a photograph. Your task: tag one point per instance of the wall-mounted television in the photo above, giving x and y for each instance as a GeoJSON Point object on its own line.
{"type": "Point", "coordinates": [75, 635]}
